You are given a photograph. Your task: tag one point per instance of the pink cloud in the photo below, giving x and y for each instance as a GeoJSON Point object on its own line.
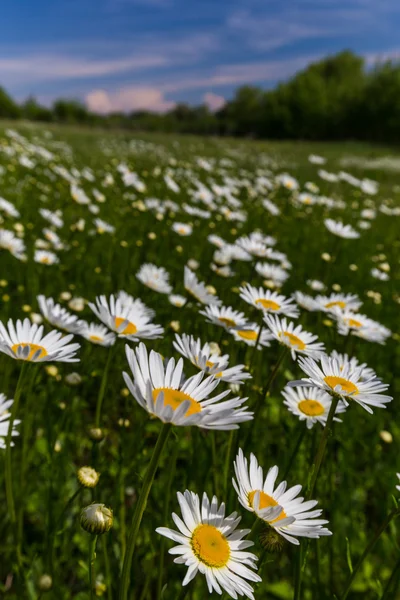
{"type": "Point", "coordinates": [128, 99]}
{"type": "Point", "coordinates": [213, 101]}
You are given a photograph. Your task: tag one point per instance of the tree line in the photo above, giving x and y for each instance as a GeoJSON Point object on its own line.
{"type": "Point", "coordinates": [336, 98]}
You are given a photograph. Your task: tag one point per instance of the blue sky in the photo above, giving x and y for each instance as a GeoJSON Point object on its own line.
{"type": "Point", "coordinates": [130, 54]}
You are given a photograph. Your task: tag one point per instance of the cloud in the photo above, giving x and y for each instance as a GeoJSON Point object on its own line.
{"type": "Point", "coordinates": [213, 101]}
{"type": "Point", "coordinates": [128, 99]}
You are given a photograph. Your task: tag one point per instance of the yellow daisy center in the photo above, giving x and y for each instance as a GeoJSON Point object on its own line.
{"type": "Point", "coordinates": [345, 384]}
{"type": "Point", "coordinates": [129, 329]}
{"type": "Point", "coordinates": [339, 303]}
{"type": "Point", "coordinates": [293, 340]}
{"type": "Point", "coordinates": [353, 323]}
{"type": "Point", "coordinates": [248, 334]}
{"type": "Point", "coordinates": [227, 322]}
{"type": "Point", "coordinates": [95, 338]}
{"type": "Point", "coordinates": [33, 348]}
{"type": "Point", "coordinates": [266, 501]}
{"type": "Point", "coordinates": [210, 365]}
{"type": "Point", "coordinates": [45, 260]}
{"type": "Point", "coordinates": [174, 398]}
{"type": "Point", "coordinates": [311, 408]}
{"type": "Point", "coordinates": [268, 304]}
{"type": "Point", "coordinates": [210, 546]}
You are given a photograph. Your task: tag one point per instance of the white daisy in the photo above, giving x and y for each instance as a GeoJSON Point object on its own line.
{"type": "Point", "coordinates": [8, 208]}
{"type": "Point", "coordinates": [177, 300]}
{"type": "Point", "coordinates": [341, 301]}
{"type": "Point", "coordinates": [58, 316]}
{"type": "Point", "coordinates": [161, 391]}
{"type": "Point", "coordinates": [291, 517]}
{"type": "Point", "coordinates": [294, 337]}
{"type": "Point", "coordinates": [45, 257]}
{"type": "Point", "coordinates": [343, 231]}
{"type": "Point", "coordinates": [97, 334]}
{"type": "Point", "coordinates": [306, 301]}
{"type": "Point", "coordinates": [156, 278]}
{"type": "Point", "coordinates": [250, 335]}
{"type": "Point", "coordinates": [398, 486]}
{"type": "Point", "coordinates": [360, 325]}
{"type": "Point", "coordinates": [252, 246]}
{"type": "Point", "coordinates": [310, 404]}
{"type": "Point", "coordinates": [344, 359]}
{"type": "Point", "coordinates": [25, 341]}
{"type": "Point", "coordinates": [9, 241]}
{"type": "Point", "coordinates": [225, 316]}
{"type": "Point", "coordinates": [208, 361]}
{"type": "Point", "coordinates": [271, 207]}
{"type": "Point", "coordinates": [129, 301]}
{"type": "Point", "coordinates": [287, 181]}
{"type": "Point", "coordinates": [127, 321]}
{"type": "Point", "coordinates": [345, 382]}
{"type": "Point", "coordinates": [272, 273]}
{"type": "Point", "coordinates": [183, 229]}
{"type": "Point", "coordinates": [210, 543]}
{"type": "Point", "coordinates": [103, 226]}
{"type": "Point", "coordinates": [198, 289]}
{"type": "Point", "coordinates": [5, 406]}
{"type": "Point", "coordinates": [267, 301]}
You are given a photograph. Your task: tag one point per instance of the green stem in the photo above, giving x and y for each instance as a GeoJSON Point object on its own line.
{"type": "Point", "coordinates": [274, 373]}
{"type": "Point", "coordinates": [214, 463]}
{"type": "Point", "coordinates": [8, 476]}
{"type": "Point", "coordinates": [297, 575]}
{"type": "Point", "coordinates": [92, 574]}
{"type": "Point", "coordinates": [295, 449]}
{"type": "Point", "coordinates": [253, 354]}
{"type": "Point", "coordinates": [103, 387]}
{"type": "Point", "coordinates": [167, 498]}
{"type": "Point", "coordinates": [107, 568]}
{"type": "Point", "coordinates": [392, 515]}
{"type": "Point", "coordinates": [228, 460]}
{"type": "Point", "coordinates": [392, 579]}
{"type": "Point", "coordinates": [321, 448]}
{"type": "Point", "coordinates": [140, 508]}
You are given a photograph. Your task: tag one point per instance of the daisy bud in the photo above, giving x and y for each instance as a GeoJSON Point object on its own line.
{"type": "Point", "coordinates": [88, 477]}
{"type": "Point", "coordinates": [52, 370]}
{"type": "Point", "coordinates": [193, 264]}
{"type": "Point", "coordinates": [211, 289]}
{"type": "Point", "coordinates": [45, 583]}
{"type": "Point", "coordinates": [336, 287]}
{"type": "Point", "coordinates": [175, 325]}
{"type": "Point", "coordinates": [386, 436]}
{"type": "Point", "coordinates": [96, 434]}
{"type": "Point", "coordinates": [271, 541]}
{"type": "Point", "coordinates": [96, 519]}
{"type": "Point", "coordinates": [65, 296]}
{"type": "Point", "coordinates": [36, 318]}
{"type": "Point", "coordinates": [73, 378]}
{"type": "Point", "coordinates": [326, 256]}
{"type": "Point", "coordinates": [215, 349]}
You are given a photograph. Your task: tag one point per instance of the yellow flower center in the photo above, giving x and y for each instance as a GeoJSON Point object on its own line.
{"type": "Point", "coordinates": [353, 323]}
{"type": "Point", "coordinates": [33, 348]}
{"type": "Point", "coordinates": [129, 329]}
{"type": "Point", "coordinates": [266, 501]}
{"type": "Point", "coordinates": [347, 386]}
{"type": "Point", "coordinates": [339, 303]}
{"type": "Point", "coordinates": [210, 365]}
{"type": "Point", "coordinates": [45, 260]}
{"type": "Point", "coordinates": [311, 408]}
{"type": "Point", "coordinates": [96, 339]}
{"type": "Point", "coordinates": [268, 304]}
{"type": "Point", "coordinates": [210, 546]}
{"type": "Point", "coordinates": [292, 339]}
{"type": "Point", "coordinates": [174, 398]}
{"type": "Point", "coordinates": [227, 322]}
{"type": "Point", "coordinates": [247, 334]}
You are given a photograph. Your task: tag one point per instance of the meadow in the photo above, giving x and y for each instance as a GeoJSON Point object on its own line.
{"type": "Point", "coordinates": [250, 225]}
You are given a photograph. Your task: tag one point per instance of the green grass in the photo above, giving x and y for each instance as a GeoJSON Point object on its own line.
{"type": "Point", "coordinates": [358, 477]}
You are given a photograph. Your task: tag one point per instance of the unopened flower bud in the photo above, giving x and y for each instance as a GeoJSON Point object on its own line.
{"type": "Point", "coordinates": [88, 477]}
{"type": "Point", "coordinates": [73, 378]}
{"type": "Point", "coordinates": [271, 541]}
{"type": "Point", "coordinates": [96, 519]}
{"type": "Point", "coordinates": [96, 434]}
{"type": "Point", "coordinates": [45, 583]}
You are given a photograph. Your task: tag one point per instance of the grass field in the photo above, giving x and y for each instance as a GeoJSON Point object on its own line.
{"type": "Point", "coordinates": [140, 186]}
